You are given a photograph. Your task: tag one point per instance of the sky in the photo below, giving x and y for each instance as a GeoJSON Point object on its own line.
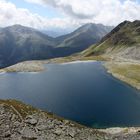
{"type": "Point", "coordinates": [67, 14]}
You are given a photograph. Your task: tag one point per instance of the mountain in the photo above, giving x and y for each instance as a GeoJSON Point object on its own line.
{"type": "Point", "coordinates": [20, 43]}
{"type": "Point", "coordinates": [81, 38]}
{"type": "Point", "coordinates": [123, 41]}
{"type": "Point", "coordinates": [55, 33]}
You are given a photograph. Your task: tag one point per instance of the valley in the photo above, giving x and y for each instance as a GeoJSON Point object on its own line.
{"type": "Point", "coordinates": [27, 122]}
{"type": "Point", "coordinates": [20, 43]}
{"type": "Point", "coordinates": [69, 69]}
{"type": "Point", "coordinates": [119, 55]}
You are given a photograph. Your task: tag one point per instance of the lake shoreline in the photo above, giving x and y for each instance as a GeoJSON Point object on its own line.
{"type": "Point", "coordinates": [27, 66]}
{"type": "Point", "coordinates": [122, 70]}
{"type": "Point", "coordinates": [37, 66]}
{"type": "Point", "coordinates": [108, 133]}
{"type": "Point", "coordinates": [78, 61]}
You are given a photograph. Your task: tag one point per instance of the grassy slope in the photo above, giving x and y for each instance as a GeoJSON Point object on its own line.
{"type": "Point", "coordinates": [125, 71]}
{"type": "Point", "coordinates": [127, 34]}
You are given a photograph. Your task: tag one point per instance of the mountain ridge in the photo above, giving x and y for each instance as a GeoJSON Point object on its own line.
{"type": "Point", "coordinates": [20, 43]}
{"type": "Point", "coordinates": [81, 38]}
{"type": "Point", "coordinates": [122, 41]}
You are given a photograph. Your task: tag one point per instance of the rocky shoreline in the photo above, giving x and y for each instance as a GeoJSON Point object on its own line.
{"type": "Point", "coordinates": [27, 66]}
{"type": "Point", "coordinates": [35, 124]}
{"type": "Point", "coordinates": [38, 65]}
{"type": "Point", "coordinates": [22, 122]}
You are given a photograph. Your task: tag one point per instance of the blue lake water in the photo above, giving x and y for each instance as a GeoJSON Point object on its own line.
{"type": "Point", "coordinates": [83, 92]}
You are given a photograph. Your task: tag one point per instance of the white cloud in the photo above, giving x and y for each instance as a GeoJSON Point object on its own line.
{"type": "Point", "coordinates": [109, 12]}
{"type": "Point", "coordinates": [77, 12]}
{"type": "Point", "coordinates": [10, 15]}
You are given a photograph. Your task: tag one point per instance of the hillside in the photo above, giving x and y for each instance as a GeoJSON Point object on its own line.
{"type": "Point", "coordinates": [81, 38]}
{"type": "Point", "coordinates": [123, 41]}
{"type": "Point", "coordinates": [23, 122]}
{"type": "Point", "coordinates": [121, 47]}
{"type": "Point", "coordinates": [19, 43]}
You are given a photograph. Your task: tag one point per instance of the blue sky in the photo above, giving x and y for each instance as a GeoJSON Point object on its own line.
{"type": "Point", "coordinates": [45, 11]}
{"type": "Point", "coordinates": [65, 14]}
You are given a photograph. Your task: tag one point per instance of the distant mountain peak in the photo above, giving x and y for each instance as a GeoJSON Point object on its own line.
{"type": "Point", "coordinates": [90, 25]}
{"type": "Point", "coordinates": [20, 43]}
{"type": "Point", "coordinates": [17, 26]}
{"type": "Point", "coordinates": [20, 28]}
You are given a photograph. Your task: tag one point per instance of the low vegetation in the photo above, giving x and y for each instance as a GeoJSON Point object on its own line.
{"type": "Point", "coordinates": [19, 107]}
{"type": "Point", "coordinates": [125, 71]}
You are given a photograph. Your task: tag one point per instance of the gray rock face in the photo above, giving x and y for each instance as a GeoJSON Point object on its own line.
{"type": "Point", "coordinates": [28, 133]}
{"type": "Point", "coordinates": [31, 120]}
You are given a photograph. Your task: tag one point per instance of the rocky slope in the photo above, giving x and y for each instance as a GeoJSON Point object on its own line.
{"type": "Point", "coordinates": [123, 41]}
{"type": "Point", "coordinates": [22, 122]}
{"type": "Point", "coordinates": [19, 121]}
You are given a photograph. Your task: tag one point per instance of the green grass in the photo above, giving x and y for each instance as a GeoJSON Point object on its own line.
{"type": "Point", "coordinates": [131, 71]}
